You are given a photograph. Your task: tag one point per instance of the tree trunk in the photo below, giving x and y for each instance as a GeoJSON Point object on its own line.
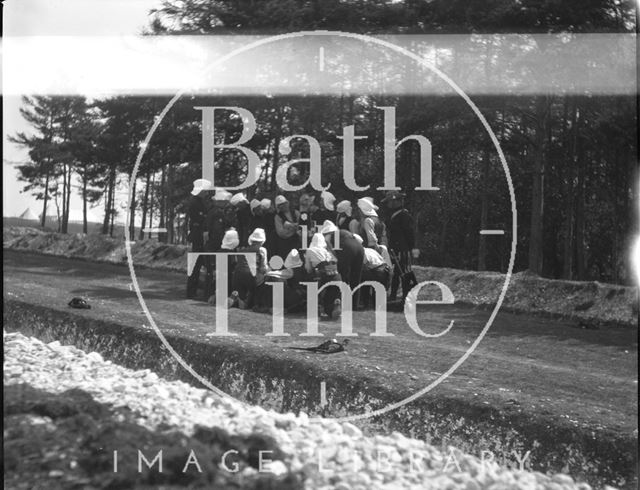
{"type": "Point", "coordinates": [62, 225]}
{"type": "Point", "coordinates": [152, 202]}
{"type": "Point", "coordinates": [107, 207]}
{"type": "Point", "coordinates": [109, 201]}
{"type": "Point", "coordinates": [537, 195]}
{"type": "Point", "coordinates": [145, 204]}
{"type": "Point", "coordinates": [581, 260]}
{"type": "Point", "coordinates": [580, 229]}
{"type": "Point", "coordinates": [84, 202]}
{"type": "Point", "coordinates": [113, 217]}
{"type": "Point", "coordinates": [162, 237]}
{"type": "Point", "coordinates": [68, 204]}
{"type": "Point", "coordinates": [569, 222]}
{"type": "Point", "coordinates": [57, 201]}
{"type": "Point", "coordinates": [43, 218]}
{"type": "Point", "coordinates": [171, 210]}
{"type": "Point", "coordinates": [132, 213]}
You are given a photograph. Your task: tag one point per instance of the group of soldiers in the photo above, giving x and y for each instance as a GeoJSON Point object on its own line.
{"type": "Point", "coordinates": [321, 242]}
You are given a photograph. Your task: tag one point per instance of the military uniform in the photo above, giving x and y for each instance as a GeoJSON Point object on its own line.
{"type": "Point", "coordinates": [350, 259]}
{"type": "Point", "coordinates": [401, 243]}
{"type": "Point", "coordinates": [243, 224]}
{"type": "Point", "coordinates": [196, 215]}
{"type": "Point", "coordinates": [217, 222]}
{"type": "Point", "coordinates": [373, 235]}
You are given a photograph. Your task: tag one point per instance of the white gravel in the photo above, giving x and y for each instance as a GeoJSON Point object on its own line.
{"type": "Point", "coordinates": [333, 455]}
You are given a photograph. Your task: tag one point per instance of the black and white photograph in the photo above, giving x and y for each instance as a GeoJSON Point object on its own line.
{"type": "Point", "coordinates": [320, 244]}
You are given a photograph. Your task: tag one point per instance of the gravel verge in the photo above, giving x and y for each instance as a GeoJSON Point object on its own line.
{"type": "Point", "coordinates": [174, 416]}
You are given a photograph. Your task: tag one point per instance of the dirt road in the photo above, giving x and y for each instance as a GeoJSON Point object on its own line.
{"type": "Point", "coordinates": [586, 376]}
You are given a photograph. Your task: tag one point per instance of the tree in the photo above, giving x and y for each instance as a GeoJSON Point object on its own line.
{"type": "Point", "coordinates": [39, 112]}
{"type": "Point", "coordinates": [51, 148]}
{"type": "Point", "coordinates": [126, 121]}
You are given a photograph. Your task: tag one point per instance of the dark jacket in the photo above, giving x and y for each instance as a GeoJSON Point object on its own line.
{"type": "Point", "coordinates": [306, 218]}
{"type": "Point", "coordinates": [243, 224]}
{"type": "Point", "coordinates": [270, 231]}
{"type": "Point", "coordinates": [323, 214]}
{"type": "Point", "coordinates": [350, 258]}
{"type": "Point", "coordinates": [196, 213]}
{"type": "Point", "coordinates": [217, 223]}
{"type": "Point", "coordinates": [401, 235]}
{"type": "Point", "coordinates": [257, 221]}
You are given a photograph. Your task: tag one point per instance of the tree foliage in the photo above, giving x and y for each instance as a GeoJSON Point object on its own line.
{"type": "Point", "coordinates": [571, 155]}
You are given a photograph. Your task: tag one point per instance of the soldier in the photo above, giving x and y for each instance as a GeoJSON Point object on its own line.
{"type": "Point", "coordinates": [269, 226]}
{"type": "Point", "coordinates": [291, 275]}
{"type": "Point", "coordinates": [401, 240]}
{"type": "Point", "coordinates": [344, 218]}
{"type": "Point", "coordinates": [286, 225]}
{"type": "Point", "coordinates": [218, 220]}
{"type": "Point", "coordinates": [372, 229]}
{"type": "Point", "coordinates": [230, 243]}
{"type": "Point", "coordinates": [245, 279]}
{"type": "Point", "coordinates": [374, 268]}
{"type": "Point", "coordinates": [350, 255]}
{"type": "Point", "coordinates": [196, 212]}
{"type": "Point", "coordinates": [322, 263]}
{"type": "Point", "coordinates": [326, 208]}
{"type": "Point", "coordinates": [307, 210]}
{"type": "Point", "coordinates": [242, 216]}
{"type": "Point", "coordinates": [257, 217]}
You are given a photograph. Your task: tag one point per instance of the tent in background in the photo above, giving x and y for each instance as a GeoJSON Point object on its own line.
{"type": "Point", "coordinates": [75, 216]}
{"type": "Point", "coordinates": [28, 214]}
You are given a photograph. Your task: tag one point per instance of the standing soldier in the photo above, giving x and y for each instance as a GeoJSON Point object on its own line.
{"type": "Point", "coordinates": [401, 239]}
{"type": "Point", "coordinates": [257, 217]}
{"type": "Point", "coordinates": [243, 216]}
{"type": "Point", "coordinates": [218, 220]}
{"type": "Point", "coordinates": [269, 226]}
{"type": "Point", "coordinates": [286, 225]}
{"type": "Point", "coordinates": [196, 213]}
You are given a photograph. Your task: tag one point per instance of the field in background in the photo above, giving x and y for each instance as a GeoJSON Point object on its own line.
{"type": "Point", "coordinates": [74, 227]}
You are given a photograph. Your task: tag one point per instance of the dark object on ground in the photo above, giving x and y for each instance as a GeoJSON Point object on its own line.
{"type": "Point", "coordinates": [329, 347]}
{"type": "Point", "coordinates": [79, 303]}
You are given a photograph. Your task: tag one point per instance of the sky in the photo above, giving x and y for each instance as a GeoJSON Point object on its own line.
{"type": "Point", "coordinates": [29, 19]}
